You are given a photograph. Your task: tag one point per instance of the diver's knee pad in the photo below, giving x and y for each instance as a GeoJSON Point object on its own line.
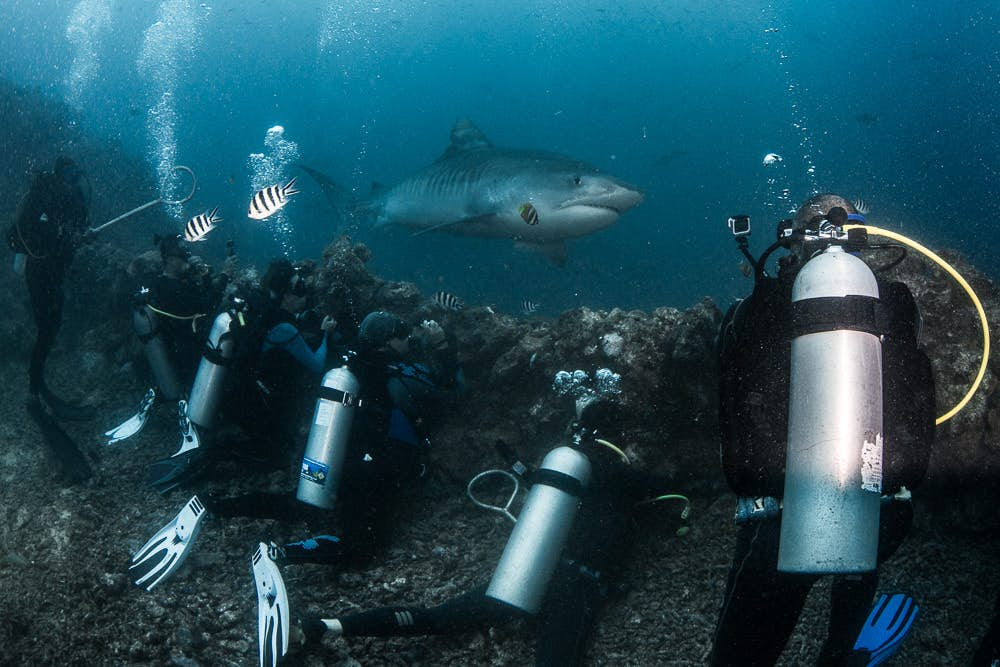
{"type": "Point", "coordinates": [326, 448]}
{"type": "Point", "coordinates": [146, 326]}
{"type": "Point", "coordinates": [203, 403]}
{"type": "Point", "coordinates": [536, 543]}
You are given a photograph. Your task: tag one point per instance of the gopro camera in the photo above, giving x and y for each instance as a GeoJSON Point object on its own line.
{"type": "Point", "coordinates": [739, 225]}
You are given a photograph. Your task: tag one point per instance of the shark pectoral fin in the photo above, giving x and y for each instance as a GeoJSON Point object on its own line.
{"type": "Point", "coordinates": [453, 223]}
{"type": "Point", "coordinates": [555, 251]}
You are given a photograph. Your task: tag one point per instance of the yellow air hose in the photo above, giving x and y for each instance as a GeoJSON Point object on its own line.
{"type": "Point", "coordinates": [972, 295]}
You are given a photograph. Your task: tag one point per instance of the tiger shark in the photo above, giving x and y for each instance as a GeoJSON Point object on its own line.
{"type": "Point", "coordinates": [535, 198]}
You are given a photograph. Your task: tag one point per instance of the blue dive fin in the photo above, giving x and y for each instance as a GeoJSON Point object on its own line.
{"type": "Point", "coordinates": [887, 624]}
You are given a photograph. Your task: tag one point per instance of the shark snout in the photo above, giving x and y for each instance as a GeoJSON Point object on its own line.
{"type": "Point", "coordinates": [621, 197]}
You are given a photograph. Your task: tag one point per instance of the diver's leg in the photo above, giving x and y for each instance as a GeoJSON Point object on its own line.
{"type": "Point", "coordinates": [45, 292]}
{"type": "Point", "coordinates": [762, 605]}
{"type": "Point", "coordinates": [566, 618]}
{"type": "Point", "coordinates": [851, 596]}
{"type": "Point", "coordinates": [468, 612]}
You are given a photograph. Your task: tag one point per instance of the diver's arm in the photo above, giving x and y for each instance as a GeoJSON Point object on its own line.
{"type": "Point", "coordinates": [287, 337]}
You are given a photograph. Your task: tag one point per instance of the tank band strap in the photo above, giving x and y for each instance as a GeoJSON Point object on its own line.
{"type": "Point", "coordinates": [558, 480]}
{"type": "Point", "coordinates": [338, 396]}
{"type": "Point", "coordinates": [216, 357]}
{"type": "Point", "coordinates": [831, 313]}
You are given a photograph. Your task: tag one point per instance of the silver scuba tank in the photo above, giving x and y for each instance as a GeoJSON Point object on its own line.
{"type": "Point", "coordinates": [326, 448]}
{"type": "Point", "coordinates": [209, 381]}
{"type": "Point", "coordinates": [538, 538]}
{"type": "Point", "coordinates": [144, 322]}
{"type": "Point", "coordinates": [833, 476]}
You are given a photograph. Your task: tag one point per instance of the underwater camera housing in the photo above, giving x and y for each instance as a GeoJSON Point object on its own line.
{"type": "Point", "coordinates": [739, 225]}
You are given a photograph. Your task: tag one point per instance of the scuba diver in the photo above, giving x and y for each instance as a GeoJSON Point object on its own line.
{"type": "Point", "coordinates": [825, 352]}
{"type": "Point", "coordinates": [255, 368]}
{"type": "Point", "coordinates": [169, 318]}
{"type": "Point", "coordinates": [366, 445]}
{"type": "Point", "coordinates": [48, 227]}
{"type": "Point", "coordinates": [567, 551]}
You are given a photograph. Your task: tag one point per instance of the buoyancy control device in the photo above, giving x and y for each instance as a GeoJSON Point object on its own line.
{"type": "Point", "coordinates": [326, 448]}
{"type": "Point", "coordinates": [536, 543]}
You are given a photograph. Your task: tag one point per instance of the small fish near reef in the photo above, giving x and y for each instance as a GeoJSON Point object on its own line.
{"type": "Point", "coordinates": [448, 301]}
{"type": "Point", "coordinates": [861, 206]}
{"type": "Point", "coordinates": [270, 200]}
{"type": "Point", "coordinates": [529, 307]}
{"type": "Point", "coordinates": [198, 227]}
{"type": "Point", "coordinates": [528, 213]}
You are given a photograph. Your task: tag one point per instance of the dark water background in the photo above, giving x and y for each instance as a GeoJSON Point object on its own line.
{"type": "Point", "coordinates": [895, 102]}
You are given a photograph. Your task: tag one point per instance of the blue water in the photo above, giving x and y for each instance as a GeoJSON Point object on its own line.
{"type": "Point", "coordinates": [894, 102]}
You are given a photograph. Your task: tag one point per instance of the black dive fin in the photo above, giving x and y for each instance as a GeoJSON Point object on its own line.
{"type": "Point", "coordinates": [167, 474]}
{"type": "Point", "coordinates": [65, 410]}
{"type": "Point", "coordinates": [72, 461]}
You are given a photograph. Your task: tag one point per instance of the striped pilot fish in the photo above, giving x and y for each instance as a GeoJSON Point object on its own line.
{"type": "Point", "coordinates": [198, 227]}
{"type": "Point", "coordinates": [267, 201]}
{"type": "Point", "coordinates": [529, 307]}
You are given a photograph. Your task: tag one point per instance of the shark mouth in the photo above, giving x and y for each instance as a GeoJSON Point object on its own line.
{"type": "Point", "coordinates": [584, 204]}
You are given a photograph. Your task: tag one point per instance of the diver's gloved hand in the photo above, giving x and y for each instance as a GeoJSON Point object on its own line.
{"type": "Point", "coordinates": [272, 607]}
{"type": "Point", "coordinates": [167, 549]}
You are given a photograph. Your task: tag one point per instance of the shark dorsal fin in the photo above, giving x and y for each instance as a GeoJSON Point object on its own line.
{"type": "Point", "coordinates": [465, 136]}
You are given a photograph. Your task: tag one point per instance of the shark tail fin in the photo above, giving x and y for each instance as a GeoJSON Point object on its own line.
{"type": "Point", "coordinates": [350, 212]}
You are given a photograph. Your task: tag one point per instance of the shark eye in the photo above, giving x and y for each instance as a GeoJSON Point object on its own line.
{"type": "Point", "coordinates": [577, 180]}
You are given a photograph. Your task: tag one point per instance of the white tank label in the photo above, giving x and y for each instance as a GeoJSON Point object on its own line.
{"type": "Point", "coordinates": [871, 464]}
{"type": "Point", "coordinates": [324, 413]}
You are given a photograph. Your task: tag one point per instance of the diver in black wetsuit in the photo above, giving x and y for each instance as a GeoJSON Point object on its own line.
{"type": "Point", "coordinates": [184, 295]}
{"type": "Point", "coordinates": [386, 450]}
{"type": "Point", "coordinates": [171, 313]}
{"type": "Point", "coordinates": [49, 226]}
{"type": "Point", "coordinates": [277, 377]}
{"type": "Point", "coordinates": [762, 605]}
{"type": "Point", "coordinates": [591, 564]}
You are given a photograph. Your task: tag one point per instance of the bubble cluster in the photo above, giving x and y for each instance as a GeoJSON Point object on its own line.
{"type": "Point", "coordinates": [271, 168]}
{"type": "Point", "coordinates": [578, 384]}
{"type": "Point", "coordinates": [87, 22]}
{"type": "Point", "coordinates": [779, 194]}
{"type": "Point", "coordinates": [167, 48]}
